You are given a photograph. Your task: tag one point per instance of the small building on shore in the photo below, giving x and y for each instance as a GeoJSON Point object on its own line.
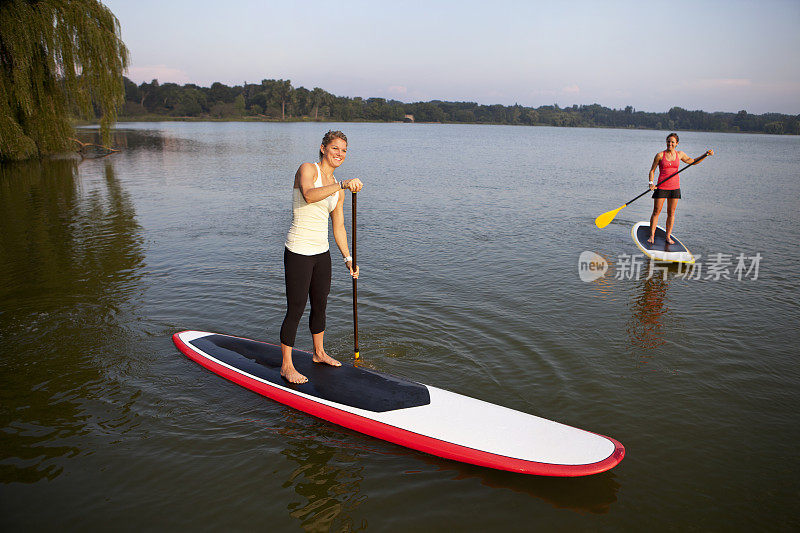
{"type": "Point", "coordinates": [408, 118]}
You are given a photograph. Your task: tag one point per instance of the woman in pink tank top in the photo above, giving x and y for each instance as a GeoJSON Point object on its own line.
{"type": "Point", "coordinates": [667, 188]}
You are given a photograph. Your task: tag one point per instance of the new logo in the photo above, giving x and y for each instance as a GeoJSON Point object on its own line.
{"type": "Point", "coordinates": [591, 266]}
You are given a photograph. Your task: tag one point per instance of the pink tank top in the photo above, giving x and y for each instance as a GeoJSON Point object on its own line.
{"type": "Point", "coordinates": [667, 169]}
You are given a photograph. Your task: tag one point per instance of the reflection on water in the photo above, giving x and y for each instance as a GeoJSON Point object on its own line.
{"type": "Point", "coordinates": [327, 480]}
{"type": "Point", "coordinates": [604, 285]}
{"type": "Point", "coordinates": [69, 259]}
{"type": "Point", "coordinates": [122, 139]}
{"type": "Point", "coordinates": [328, 476]}
{"type": "Point", "coordinates": [648, 325]}
{"type": "Point", "coordinates": [590, 494]}
{"type": "Point", "coordinates": [652, 318]}
{"type": "Point", "coordinates": [330, 473]}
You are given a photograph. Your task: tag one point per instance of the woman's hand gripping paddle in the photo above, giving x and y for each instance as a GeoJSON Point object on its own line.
{"type": "Point", "coordinates": [605, 219]}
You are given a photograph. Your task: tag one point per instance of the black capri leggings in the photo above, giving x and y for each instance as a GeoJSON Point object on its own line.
{"type": "Point", "coordinates": [306, 275]}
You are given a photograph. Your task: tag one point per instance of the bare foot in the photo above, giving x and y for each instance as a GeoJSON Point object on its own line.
{"type": "Point", "coordinates": [651, 240]}
{"type": "Point", "coordinates": [293, 376]}
{"type": "Point", "coordinates": [322, 357]}
{"type": "Point", "coordinates": [669, 240]}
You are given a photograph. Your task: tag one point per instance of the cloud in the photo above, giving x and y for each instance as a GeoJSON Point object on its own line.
{"type": "Point", "coordinates": [720, 83]}
{"type": "Point", "coordinates": [571, 89]}
{"type": "Point", "coordinates": [162, 73]}
{"type": "Point", "coordinates": [398, 89]}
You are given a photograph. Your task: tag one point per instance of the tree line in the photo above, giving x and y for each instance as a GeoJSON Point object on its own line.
{"type": "Point", "coordinates": [279, 100]}
{"type": "Point", "coordinates": [58, 61]}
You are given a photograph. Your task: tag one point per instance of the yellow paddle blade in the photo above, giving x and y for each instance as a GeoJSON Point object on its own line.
{"type": "Point", "coordinates": [605, 219]}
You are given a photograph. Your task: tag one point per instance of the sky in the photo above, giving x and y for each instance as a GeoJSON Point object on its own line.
{"type": "Point", "coordinates": [709, 55]}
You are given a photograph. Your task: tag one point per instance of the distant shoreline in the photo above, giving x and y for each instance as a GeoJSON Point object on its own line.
{"type": "Point", "coordinates": [155, 118]}
{"type": "Point", "coordinates": [279, 101]}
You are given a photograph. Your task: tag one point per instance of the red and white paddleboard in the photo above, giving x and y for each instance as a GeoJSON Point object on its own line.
{"type": "Point", "coordinates": [407, 413]}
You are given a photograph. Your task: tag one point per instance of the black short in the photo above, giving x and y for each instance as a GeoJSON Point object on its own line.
{"type": "Point", "coordinates": [667, 193]}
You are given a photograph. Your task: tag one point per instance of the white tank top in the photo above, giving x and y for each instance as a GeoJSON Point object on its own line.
{"type": "Point", "coordinates": [308, 234]}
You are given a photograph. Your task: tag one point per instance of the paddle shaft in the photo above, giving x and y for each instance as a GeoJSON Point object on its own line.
{"type": "Point", "coordinates": [355, 282]}
{"type": "Point", "coordinates": [669, 178]}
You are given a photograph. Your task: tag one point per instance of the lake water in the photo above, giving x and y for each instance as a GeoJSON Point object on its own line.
{"type": "Point", "coordinates": [469, 241]}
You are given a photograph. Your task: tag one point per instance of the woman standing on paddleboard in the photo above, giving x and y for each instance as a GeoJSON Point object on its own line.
{"type": "Point", "coordinates": [667, 163]}
{"type": "Point", "coordinates": [307, 259]}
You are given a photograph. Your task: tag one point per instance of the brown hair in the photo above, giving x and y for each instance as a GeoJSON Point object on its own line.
{"type": "Point", "coordinates": [674, 135]}
{"type": "Point", "coordinates": [329, 137]}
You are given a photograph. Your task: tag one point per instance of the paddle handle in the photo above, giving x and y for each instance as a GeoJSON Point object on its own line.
{"type": "Point", "coordinates": [355, 283]}
{"type": "Point", "coordinates": [669, 178]}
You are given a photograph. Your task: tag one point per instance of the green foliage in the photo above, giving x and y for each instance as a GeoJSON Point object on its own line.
{"type": "Point", "coordinates": [278, 100]}
{"type": "Point", "coordinates": [57, 58]}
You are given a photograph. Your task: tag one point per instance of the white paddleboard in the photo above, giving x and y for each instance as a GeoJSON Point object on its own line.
{"type": "Point", "coordinates": [660, 249]}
